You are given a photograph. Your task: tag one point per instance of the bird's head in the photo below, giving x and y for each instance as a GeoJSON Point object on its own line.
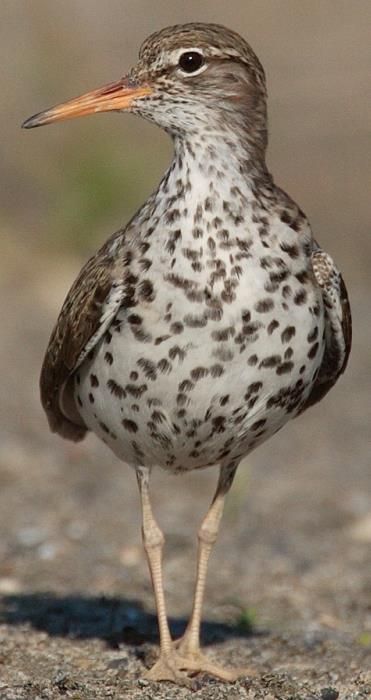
{"type": "Point", "coordinates": [188, 77]}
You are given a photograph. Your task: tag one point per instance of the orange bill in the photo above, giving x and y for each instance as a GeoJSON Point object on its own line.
{"type": "Point", "coordinates": [112, 97]}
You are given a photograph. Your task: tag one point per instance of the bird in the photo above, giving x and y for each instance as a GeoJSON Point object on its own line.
{"type": "Point", "coordinates": [212, 318]}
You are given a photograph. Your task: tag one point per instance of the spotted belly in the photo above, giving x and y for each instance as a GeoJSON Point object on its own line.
{"type": "Point", "coordinates": [197, 396]}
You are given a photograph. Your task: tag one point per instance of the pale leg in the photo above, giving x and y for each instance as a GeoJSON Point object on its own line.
{"type": "Point", "coordinates": [189, 645]}
{"type": "Point", "coordinates": [173, 662]}
{"type": "Point", "coordinates": [153, 541]}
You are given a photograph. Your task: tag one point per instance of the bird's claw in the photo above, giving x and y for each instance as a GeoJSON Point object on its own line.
{"type": "Point", "coordinates": [178, 665]}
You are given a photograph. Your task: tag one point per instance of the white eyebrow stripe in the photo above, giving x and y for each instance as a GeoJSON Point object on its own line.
{"type": "Point", "coordinates": [187, 49]}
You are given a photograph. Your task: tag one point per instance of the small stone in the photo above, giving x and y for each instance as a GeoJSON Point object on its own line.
{"type": "Point", "coordinates": [31, 536]}
{"type": "Point", "coordinates": [361, 529]}
{"type": "Point", "coordinates": [329, 694]}
{"type": "Point", "coordinates": [76, 529]}
{"type": "Point", "coordinates": [47, 551]}
{"type": "Point", "coordinates": [9, 585]}
{"type": "Point", "coordinates": [130, 556]}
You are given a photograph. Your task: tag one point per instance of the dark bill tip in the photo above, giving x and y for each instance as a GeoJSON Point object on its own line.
{"type": "Point", "coordinates": [32, 122]}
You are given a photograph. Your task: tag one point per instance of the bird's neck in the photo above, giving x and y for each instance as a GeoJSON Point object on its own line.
{"type": "Point", "coordinates": [213, 166]}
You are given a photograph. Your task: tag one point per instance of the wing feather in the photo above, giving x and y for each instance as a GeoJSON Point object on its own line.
{"type": "Point", "coordinates": [338, 325]}
{"type": "Point", "coordinates": [89, 308]}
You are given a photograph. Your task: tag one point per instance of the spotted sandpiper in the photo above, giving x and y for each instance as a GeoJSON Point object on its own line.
{"type": "Point", "coordinates": [197, 331]}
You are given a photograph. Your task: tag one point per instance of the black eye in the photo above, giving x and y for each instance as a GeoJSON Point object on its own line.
{"type": "Point", "coordinates": [190, 61]}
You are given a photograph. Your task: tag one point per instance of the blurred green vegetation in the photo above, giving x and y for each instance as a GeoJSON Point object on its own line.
{"type": "Point", "coordinates": [94, 189]}
{"type": "Point", "coordinates": [246, 619]}
{"type": "Point", "coordinates": [364, 639]}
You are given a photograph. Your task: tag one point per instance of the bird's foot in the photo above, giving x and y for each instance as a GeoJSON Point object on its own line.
{"type": "Point", "coordinates": [180, 664]}
{"type": "Point", "coordinates": [169, 667]}
{"type": "Point", "coordinates": [194, 661]}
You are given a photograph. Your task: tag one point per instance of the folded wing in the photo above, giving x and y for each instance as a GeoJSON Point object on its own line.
{"type": "Point", "coordinates": [88, 310]}
{"type": "Point", "coordinates": [338, 325]}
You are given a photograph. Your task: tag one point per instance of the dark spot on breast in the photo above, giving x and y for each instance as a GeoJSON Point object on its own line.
{"type": "Point", "coordinates": [108, 357]}
{"type": "Point", "coordinates": [286, 291]}
{"type": "Point", "coordinates": [164, 366]}
{"type": "Point", "coordinates": [224, 400]}
{"type": "Point", "coordinates": [91, 398]}
{"type": "Point", "coordinates": [302, 277]}
{"type": "Point", "coordinates": [271, 361]}
{"type": "Point", "coordinates": [178, 352]}
{"type": "Point", "coordinates": [134, 376]}
{"type": "Point", "coordinates": [288, 353]}
{"type": "Point", "coordinates": [311, 337]}
{"type": "Point", "coordinates": [104, 427]}
{"type": "Point", "coordinates": [211, 244]}
{"type": "Point", "coordinates": [285, 368]}
{"type": "Point", "coordinates": [116, 389]}
{"type": "Point", "coordinates": [181, 399]}
{"type": "Point", "coordinates": [315, 310]}
{"type": "Point", "coordinates": [251, 328]}
{"type": "Point", "coordinates": [145, 264]}
{"type": "Point", "coordinates": [291, 250]}
{"type": "Point", "coordinates": [94, 380]}
{"type": "Point", "coordinates": [313, 351]}
{"type": "Point", "coordinates": [154, 402]}
{"type": "Point", "coordinates": [253, 360]}
{"type": "Point", "coordinates": [107, 337]}
{"type": "Point", "coordinates": [198, 214]}
{"type": "Point", "coordinates": [185, 385]}
{"type": "Point", "coordinates": [218, 423]}
{"type": "Point", "coordinates": [216, 371]}
{"type": "Point", "coordinates": [161, 339]}
{"type": "Point", "coordinates": [199, 373]}
{"type": "Point", "coordinates": [136, 391]}
{"type": "Point", "coordinates": [135, 319]}
{"type": "Point", "coordinates": [272, 326]}
{"type": "Point", "coordinates": [176, 328]}
{"type": "Point", "coordinates": [172, 215]}
{"type": "Point", "coordinates": [254, 387]}
{"type": "Point", "coordinates": [140, 335]}
{"type": "Point", "coordinates": [285, 217]}
{"type": "Point", "coordinates": [223, 334]}
{"type": "Point", "coordinates": [300, 297]}
{"type": "Point", "coordinates": [288, 333]}
{"type": "Point", "coordinates": [223, 354]}
{"type": "Point", "coordinates": [158, 417]}
{"type": "Point", "coordinates": [146, 290]}
{"type": "Point", "coordinates": [148, 367]}
{"type": "Point", "coordinates": [196, 266]}
{"type": "Point", "coordinates": [130, 425]}
{"type": "Point", "coordinates": [197, 232]}
{"type": "Point", "coordinates": [194, 321]}
{"type": "Point", "coordinates": [264, 305]}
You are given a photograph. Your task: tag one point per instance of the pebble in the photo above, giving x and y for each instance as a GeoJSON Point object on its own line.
{"type": "Point", "coordinates": [31, 536]}
{"type": "Point", "coordinates": [361, 529]}
{"type": "Point", "coordinates": [9, 585]}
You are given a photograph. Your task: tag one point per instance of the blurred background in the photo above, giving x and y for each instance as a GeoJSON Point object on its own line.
{"type": "Point", "coordinates": [69, 515]}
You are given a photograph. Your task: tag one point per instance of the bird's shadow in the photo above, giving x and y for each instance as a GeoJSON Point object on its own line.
{"type": "Point", "coordinates": [117, 621]}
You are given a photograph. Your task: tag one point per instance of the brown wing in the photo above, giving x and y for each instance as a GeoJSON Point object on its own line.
{"type": "Point", "coordinates": [88, 309]}
{"type": "Point", "coordinates": [338, 326]}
